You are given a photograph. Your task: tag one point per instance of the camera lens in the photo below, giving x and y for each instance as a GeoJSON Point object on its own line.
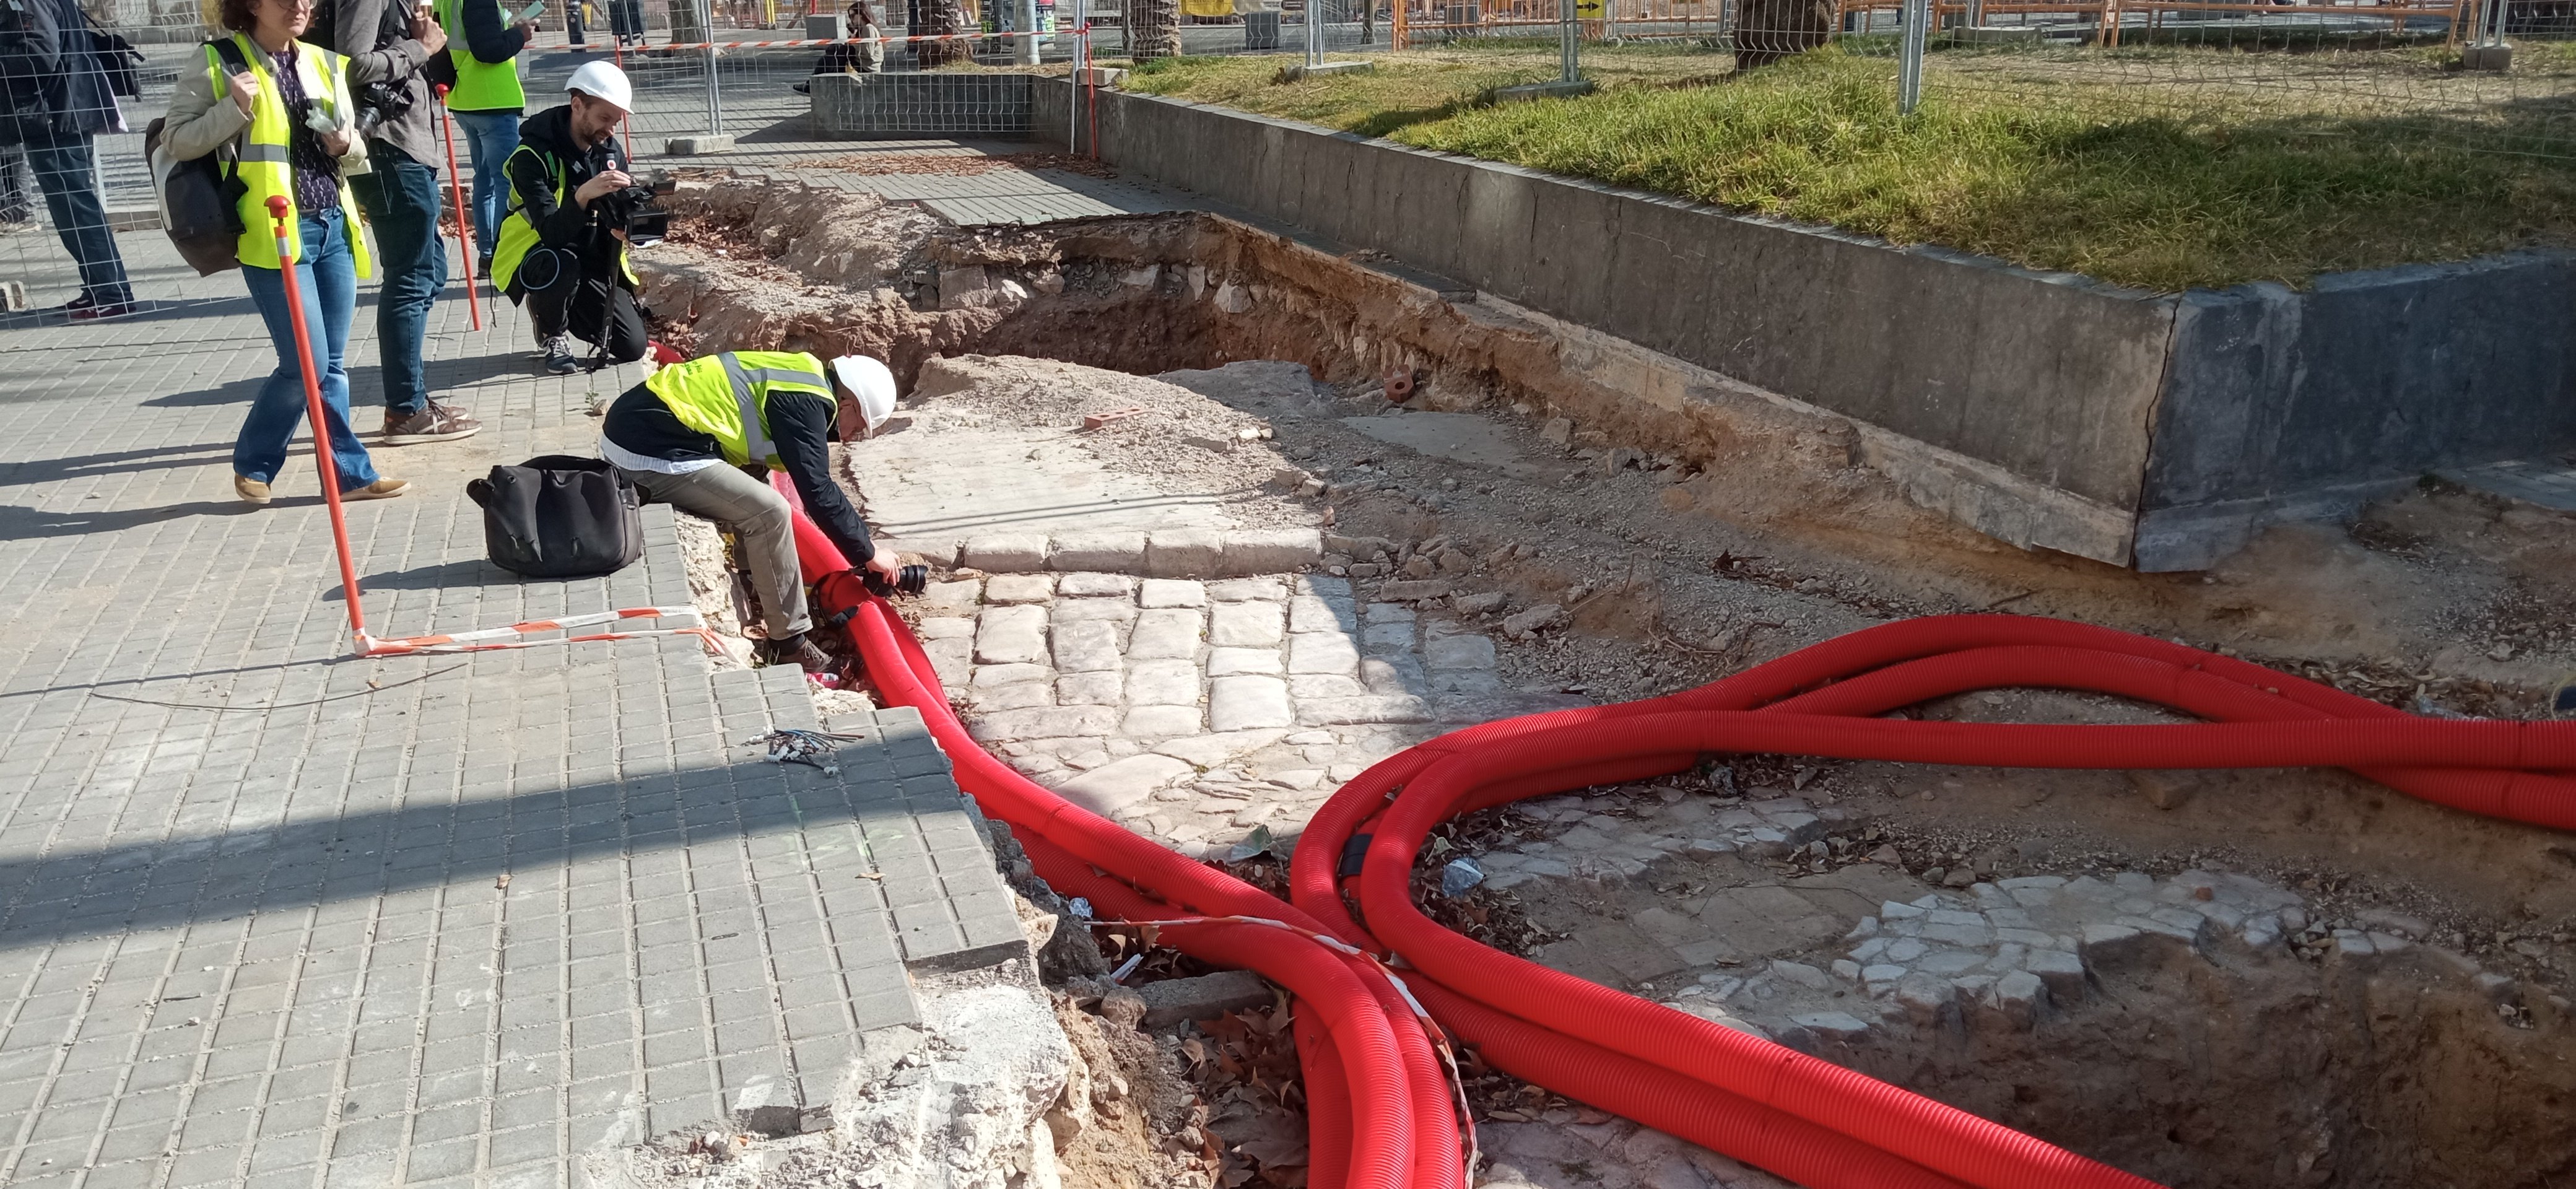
{"type": "Point", "coordinates": [910, 580]}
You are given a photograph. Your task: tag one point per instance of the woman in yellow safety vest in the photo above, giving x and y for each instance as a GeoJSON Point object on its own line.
{"type": "Point", "coordinates": [283, 108]}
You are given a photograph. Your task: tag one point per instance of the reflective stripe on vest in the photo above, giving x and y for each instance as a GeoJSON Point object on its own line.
{"type": "Point", "coordinates": [749, 403]}
{"type": "Point", "coordinates": [263, 161]}
{"type": "Point", "coordinates": [726, 397]}
{"type": "Point", "coordinates": [480, 85]}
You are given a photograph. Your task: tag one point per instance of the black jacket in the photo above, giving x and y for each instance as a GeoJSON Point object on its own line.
{"type": "Point", "coordinates": [51, 80]}
{"type": "Point", "coordinates": [547, 157]}
{"type": "Point", "coordinates": [489, 37]}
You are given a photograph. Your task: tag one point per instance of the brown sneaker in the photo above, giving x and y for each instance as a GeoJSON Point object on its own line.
{"type": "Point", "coordinates": [433, 423]}
{"type": "Point", "coordinates": [251, 490]}
{"type": "Point", "coordinates": [381, 489]}
{"type": "Point", "coordinates": [795, 650]}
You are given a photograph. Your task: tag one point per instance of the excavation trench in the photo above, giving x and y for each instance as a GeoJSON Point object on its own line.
{"type": "Point", "coordinates": [2349, 1042]}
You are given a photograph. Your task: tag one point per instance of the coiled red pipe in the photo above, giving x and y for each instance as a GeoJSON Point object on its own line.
{"type": "Point", "coordinates": [1370, 1064]}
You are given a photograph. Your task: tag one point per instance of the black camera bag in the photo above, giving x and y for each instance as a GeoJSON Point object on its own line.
{"type": "Point", "coordinates": [558, 516]}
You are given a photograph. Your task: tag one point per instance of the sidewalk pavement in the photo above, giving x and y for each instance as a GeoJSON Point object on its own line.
{"type": "Point", "coordinates": [274, 916]}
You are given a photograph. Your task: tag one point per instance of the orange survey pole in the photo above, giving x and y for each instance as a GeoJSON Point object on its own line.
{"type": "Point", "coordinates": [313, 412]}
{"type": "Point", "coordinates": [464, 226]}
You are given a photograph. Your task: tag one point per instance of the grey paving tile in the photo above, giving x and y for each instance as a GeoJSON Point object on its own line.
{"type": "Point", "coordinates": [258, 888]}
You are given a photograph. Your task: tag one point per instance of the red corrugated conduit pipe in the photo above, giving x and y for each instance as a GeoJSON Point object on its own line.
{"type": "Point", "coordinates": [1382, 1114]}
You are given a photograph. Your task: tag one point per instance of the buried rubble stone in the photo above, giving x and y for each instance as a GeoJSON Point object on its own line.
{"type": "Point", "coordinates": [1204, 997]}
{"type": "Point", "coordinates": [1423, 591]}
{"type": "Point", "coordinates": [1116, 785]}
{"type": "Point", "coordinates": [1523, 625]}
{"type": "Point", "coordinates": [1271, 551]}
{"type": "Point", "coordinates": [1480, 603]}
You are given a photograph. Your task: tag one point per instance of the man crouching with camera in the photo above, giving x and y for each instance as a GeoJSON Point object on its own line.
{"type": "Point", "coordinates": [573, 213]}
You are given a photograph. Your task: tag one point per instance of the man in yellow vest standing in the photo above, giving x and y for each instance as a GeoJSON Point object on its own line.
{"type": "Point", "coordinates": [487, 101]}
{"type": "Point", "coordinates": [685, 435]}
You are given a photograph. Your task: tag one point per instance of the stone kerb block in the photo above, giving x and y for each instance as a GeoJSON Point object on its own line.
{"type": "Point", "coordinates": [1273, 551]}
{"type": "Point", "coordinates": [1014, 553]}
{"type": "Point", "coordinates": [1110, 551]}
{"type": "Point", "coordinates": [1184, 553]}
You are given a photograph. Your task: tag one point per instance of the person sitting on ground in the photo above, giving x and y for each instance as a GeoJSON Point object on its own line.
{"type": "Point", "coordinates": [863, 54]}
{"type": "Point", "coordinates": [562, 251]}
{"type": "Point", "coordinates": [685, 435]}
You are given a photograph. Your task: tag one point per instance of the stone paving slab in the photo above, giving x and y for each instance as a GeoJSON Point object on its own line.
{"type": "Point", "coordinates": [273, 916]}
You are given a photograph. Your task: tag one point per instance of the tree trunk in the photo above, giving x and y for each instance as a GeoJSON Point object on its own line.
{"type": "Point", "coordinates": [1153, 29]}
{"type": "Point", "coordinates": [1769, 30]}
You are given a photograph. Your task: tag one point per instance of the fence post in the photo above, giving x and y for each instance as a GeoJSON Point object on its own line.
{"type": "Point", "coordinates": [1314, 32]}
{"type": "Point", "coordinates": [1073, 94]}
{"type": "Point", "coordinates": [1909, 59]}
{"type": "Point", "coordinates": [1569, 41]}
{"type": "Point", "coordinates": [715, 93]}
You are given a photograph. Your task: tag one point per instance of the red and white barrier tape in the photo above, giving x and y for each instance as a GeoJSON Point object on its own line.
{"type": "Point", "coordinates": [800, 42]}
{"type": "Point", "coordinates": [493, 639]}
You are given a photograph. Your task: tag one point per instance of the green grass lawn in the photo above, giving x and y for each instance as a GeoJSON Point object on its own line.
{"type": "Point", "coordinates": [2086, 161]}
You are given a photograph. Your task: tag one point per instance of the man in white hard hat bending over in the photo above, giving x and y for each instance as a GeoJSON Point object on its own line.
{"type": "Point", "coordinates": [685, 435]}
{"type": "Point", "coordinates": [562, 249]}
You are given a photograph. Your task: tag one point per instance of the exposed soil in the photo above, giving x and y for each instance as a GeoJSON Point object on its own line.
{"type": "Point", "coordinates": [1686, 532]}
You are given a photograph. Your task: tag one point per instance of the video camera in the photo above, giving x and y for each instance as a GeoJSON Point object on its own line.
{"type": "Point", "coordinates": [633, 208]}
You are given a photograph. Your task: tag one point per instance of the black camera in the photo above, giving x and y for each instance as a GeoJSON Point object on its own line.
{"type": "Point", "coordinates": [634, 208]}
{"type": "Point", "coordinates": [910, 580]}
{"type": "Point", "coordinates": [381, 103]}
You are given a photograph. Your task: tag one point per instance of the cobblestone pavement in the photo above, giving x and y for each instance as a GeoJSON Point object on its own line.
{"type": "Point", "coordinates": [1194, 711]}
{"type": "Point", "coordinates": [1741, 928]}
{"type": "Point", "coordinates": [272, 916]}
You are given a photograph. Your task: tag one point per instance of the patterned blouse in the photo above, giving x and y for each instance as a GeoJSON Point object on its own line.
{"type": "Point", "coordinates": [317, 172]}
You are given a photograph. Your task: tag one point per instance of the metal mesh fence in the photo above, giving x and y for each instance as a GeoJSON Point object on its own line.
{"type": "Point", "coordinates": [72, 173]}
{"type": "Point", "coordinates": [2484, 75]}
{"type": "Point", "coordinates": [2438, 73]}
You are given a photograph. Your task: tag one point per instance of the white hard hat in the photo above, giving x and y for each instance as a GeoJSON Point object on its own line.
{"type": "Point", "coordinates": [605, 82]}
{"type": "Point", "coordinates": [868, 380]}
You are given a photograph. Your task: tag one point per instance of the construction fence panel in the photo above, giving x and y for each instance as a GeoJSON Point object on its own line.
{"type": "Point", "coordinates": [937, 71]}
{"type": "Point", "coordinates": [2481, 75]}
{"type": "Point", "coordinates": [75, 180]}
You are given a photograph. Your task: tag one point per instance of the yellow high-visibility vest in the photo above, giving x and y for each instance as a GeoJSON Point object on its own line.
{"type": "Point", "coordinates": [726, 396]}
{"type": "Point", "coordinates": [266, 167]}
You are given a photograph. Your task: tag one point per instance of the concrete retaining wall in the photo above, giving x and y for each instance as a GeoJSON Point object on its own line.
{"type": "Point", "coordinates": [2050, 410]}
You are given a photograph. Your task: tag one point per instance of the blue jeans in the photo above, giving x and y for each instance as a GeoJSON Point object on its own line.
{"type": "Point", "coordinates": [401, 199]}
{"type": "Point", "coordinates": [328, 282]}
{"type": "Point", "coordinates": [490, 138]}
{"type": "Point", "coordinates": [67, 171]}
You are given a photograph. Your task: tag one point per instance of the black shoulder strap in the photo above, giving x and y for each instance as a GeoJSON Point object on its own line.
{"type": "Point", "coordinates": [230, 52]}
{"type": "Point", "coordinates": [395, 24]}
